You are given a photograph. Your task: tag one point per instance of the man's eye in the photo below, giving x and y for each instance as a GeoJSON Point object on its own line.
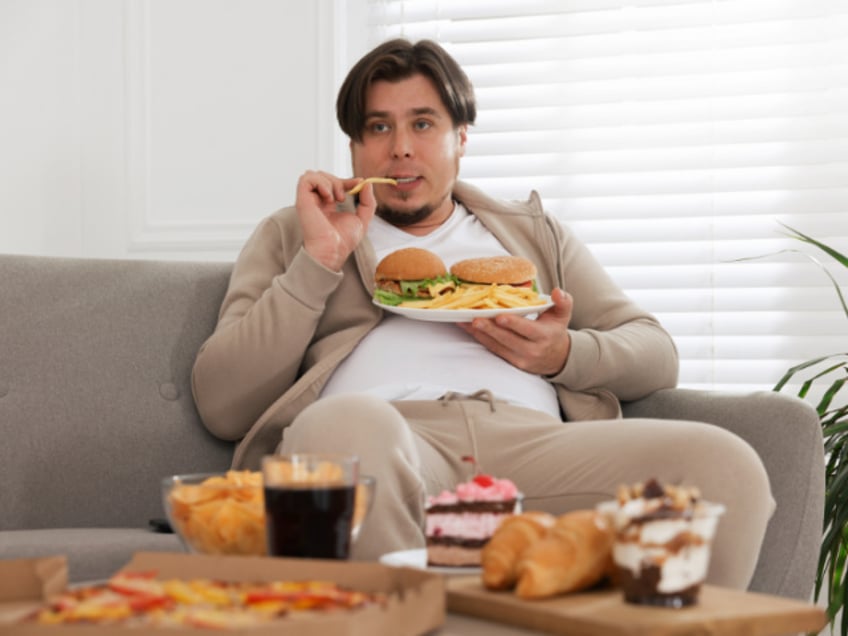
{"type": "Point", "coordinates": [422, 124]}
{"type": "Point", "coordinates": [378, 127]}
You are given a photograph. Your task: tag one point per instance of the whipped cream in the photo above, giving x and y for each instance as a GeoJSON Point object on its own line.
{"type": "Point", "coordinates": [663, 540]}
{"type": "Point", "coordinates": [497, 490]}
{"type": "Point", "coordinates": [680, 548]}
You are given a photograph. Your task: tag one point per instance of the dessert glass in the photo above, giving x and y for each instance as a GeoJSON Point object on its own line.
{"type": "Point", "coordinates": [663, 539]}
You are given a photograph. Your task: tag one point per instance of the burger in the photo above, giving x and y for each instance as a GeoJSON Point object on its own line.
{"type": "Point", "coordinates": [411, 274]}
{"type": "Point", "coordinates": [516, 271]}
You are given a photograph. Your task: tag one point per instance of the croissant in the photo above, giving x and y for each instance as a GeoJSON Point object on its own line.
{"type": "Point", "coordinates": [574, 555]}
{"type": "Point", "coordinates": [499, 558]}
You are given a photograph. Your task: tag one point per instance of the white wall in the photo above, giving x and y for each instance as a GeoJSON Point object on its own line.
{"type": "Point", "coordinates": [163, 128]}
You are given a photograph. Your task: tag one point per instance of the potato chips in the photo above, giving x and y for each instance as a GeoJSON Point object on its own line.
{"type": "Point", "coordinates": [221, 515]}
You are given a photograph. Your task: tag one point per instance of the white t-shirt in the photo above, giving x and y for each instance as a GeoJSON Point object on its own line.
{"type": "Point", "coordinates": [404, 359]}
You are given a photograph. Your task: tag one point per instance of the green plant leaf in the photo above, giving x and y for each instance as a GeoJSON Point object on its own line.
{"type": "Point", "coordinates": [835, 423]}
{"type": "Point", "coordinates": [838, 567]}
{"type": "Point", "coordinates": [839, 584]}
{"type": "Point", "coordinates": [838, 507]}
{"type": "Point", "coordinates": [806, 365]}
{"type": "Point", "coordinates": [832, 571]}
{"type": "Point", "coordinates": [827, 397]}
{"type": "Point", "coordinates": [837, 256]}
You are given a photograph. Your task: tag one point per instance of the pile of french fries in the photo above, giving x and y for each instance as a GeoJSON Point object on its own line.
{"type": "Point", "coordinates": [480, 297]}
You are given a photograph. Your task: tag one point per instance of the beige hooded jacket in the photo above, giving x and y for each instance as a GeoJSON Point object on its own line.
{"type": "Point", "coordinates": [286, 322]}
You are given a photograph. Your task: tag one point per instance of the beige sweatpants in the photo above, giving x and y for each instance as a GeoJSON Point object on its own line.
{"type": "Point", "coordinates": [415, 448]}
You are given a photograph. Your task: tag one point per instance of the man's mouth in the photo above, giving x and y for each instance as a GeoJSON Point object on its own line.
{"type": "Point", "coordinates": [402, 180]}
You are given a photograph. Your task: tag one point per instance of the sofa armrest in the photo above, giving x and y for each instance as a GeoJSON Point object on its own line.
{"type": "Point", "coordinates": [747, 410]}
{"type": "Point", "coordinates": [786, 433]}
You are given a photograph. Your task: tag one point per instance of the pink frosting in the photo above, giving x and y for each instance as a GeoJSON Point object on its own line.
{"type": "Point", "coordinates": [498, 490]}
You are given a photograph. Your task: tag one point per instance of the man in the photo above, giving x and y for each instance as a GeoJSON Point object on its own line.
{"type": "Point", "coordinates": [303, 360]}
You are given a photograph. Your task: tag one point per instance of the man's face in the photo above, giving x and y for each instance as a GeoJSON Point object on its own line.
{"type": "Point", "coordinates": [409, 136]}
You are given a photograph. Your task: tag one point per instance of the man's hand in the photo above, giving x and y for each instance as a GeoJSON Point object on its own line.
{"type": "Point", "coordinates": [329, 235]}
{"type": "Point", "coordinates": [538, 346]}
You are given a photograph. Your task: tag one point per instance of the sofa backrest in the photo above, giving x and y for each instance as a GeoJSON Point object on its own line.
{"type": "Point", "coordinates": [95, 393]}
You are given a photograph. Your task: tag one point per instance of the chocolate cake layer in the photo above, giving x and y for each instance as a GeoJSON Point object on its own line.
{"type": "Point", "coordinates": [457, 541]}
{"type": "Point", "coordinates": [473, 506]}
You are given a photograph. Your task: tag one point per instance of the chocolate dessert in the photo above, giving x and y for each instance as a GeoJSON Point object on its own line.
{"type": "Point", "coordinates": [662, 543]}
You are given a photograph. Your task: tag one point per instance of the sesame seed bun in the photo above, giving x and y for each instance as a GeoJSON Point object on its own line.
{"type": "Point", "coordinates": [410, 263]}
{"type": "Point", "coordinates": [503, 270]}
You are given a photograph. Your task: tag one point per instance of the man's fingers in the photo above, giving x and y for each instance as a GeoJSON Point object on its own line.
{"type": "Point", "coordinates": [367, 205]}
{"type": "Point", "coordinates": [559, 298]}
{"type": "Point", "coordinates": [563, 305]}
{"type": "Point", "coordinates": [328, 188]}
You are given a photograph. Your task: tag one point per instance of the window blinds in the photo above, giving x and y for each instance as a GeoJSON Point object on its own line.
{"type": "Point", "coordinates": [674, 137]}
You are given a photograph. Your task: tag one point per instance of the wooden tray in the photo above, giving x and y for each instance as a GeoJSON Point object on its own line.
{"type": "Point", "coordinates": [604, 613]}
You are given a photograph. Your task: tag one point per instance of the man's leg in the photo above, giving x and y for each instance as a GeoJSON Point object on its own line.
{"type": "Point", "coordinates": [415, 448]}
{"type": "Point", "coordinates": [375, 431]}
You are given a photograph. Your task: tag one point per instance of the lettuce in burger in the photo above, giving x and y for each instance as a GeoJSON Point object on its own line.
{"type": "Point", "coordinates": [411, 274]}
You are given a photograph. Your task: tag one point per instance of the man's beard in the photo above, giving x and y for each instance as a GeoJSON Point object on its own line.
{"type": "Point", "coordinates": [404, 219]}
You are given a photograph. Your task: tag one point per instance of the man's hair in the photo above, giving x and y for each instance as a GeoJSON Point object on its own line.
{"type": "Point", "coordinates": [397, 60]}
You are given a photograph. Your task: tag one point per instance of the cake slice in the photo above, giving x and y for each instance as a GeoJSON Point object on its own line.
{"type": "Point", "coordinates": [459, 523]}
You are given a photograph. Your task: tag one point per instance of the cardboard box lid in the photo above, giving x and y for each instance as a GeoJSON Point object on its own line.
{"type": "Point", "coordinates": [416, 602]}
{"type": "Point", "coordinates": [28, 579]}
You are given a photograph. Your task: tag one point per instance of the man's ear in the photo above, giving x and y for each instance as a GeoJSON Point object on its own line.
{"type": "Point", "coordinates": [462, 136]}
{"type": "Point", "coordinates": [351, 145]}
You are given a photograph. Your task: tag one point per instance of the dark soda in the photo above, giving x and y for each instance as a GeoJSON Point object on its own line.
{"type": "Point", "coordinates": [309, 522]}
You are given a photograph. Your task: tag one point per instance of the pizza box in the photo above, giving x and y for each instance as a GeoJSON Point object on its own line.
{"type": "Point", "coordinates": [416, 602]}
{"type": "Point", "coordinates": [603, 612]}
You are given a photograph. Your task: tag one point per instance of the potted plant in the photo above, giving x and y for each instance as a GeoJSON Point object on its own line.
{"type": "Point", "coordinates": [832, 372]}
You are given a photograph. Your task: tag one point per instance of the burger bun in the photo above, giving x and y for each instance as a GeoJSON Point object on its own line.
{"type": "Point", "coordinates": [410, 263]}
{"type": "Point", "coordinates": [500, 270]}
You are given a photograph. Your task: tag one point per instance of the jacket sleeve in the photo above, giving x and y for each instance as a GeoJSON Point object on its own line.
{"type": "Point", "coordinates": [615, 345]}
{"type": "Point", "coordinates": [268, 317]}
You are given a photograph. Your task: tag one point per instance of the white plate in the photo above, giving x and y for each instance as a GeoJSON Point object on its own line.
{"type": "Point", "coordinates": [464, 315]}
{"type": "Point", "coordinates": [418, 559]}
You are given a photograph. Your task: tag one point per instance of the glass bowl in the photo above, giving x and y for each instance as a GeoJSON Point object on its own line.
{"type": "Point", "coordinates": [217, 513]}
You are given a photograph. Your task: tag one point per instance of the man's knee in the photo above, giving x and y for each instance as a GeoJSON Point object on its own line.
{"type": "Point", "coordinates": [345, 421]}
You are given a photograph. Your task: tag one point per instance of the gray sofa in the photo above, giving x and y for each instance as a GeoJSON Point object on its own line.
{"type": "Point", "coordinates": [96, 407]}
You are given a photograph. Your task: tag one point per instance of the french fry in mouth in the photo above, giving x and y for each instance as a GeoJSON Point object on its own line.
{"type": "Point", "coordinates": [358, 187]}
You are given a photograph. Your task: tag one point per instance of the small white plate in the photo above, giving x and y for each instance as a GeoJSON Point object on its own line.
{"type": "Point", "coordinates": [418, 559]}
{"type": "Point", "coordinates": [464, 315]}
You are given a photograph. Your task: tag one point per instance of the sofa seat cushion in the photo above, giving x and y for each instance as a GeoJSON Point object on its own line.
{"type": "Point", "coordinates": [93, 553]}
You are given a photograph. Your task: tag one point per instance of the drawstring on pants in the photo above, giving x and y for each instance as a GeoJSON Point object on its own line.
{"type": "Point", "coordinates": [483, 395]}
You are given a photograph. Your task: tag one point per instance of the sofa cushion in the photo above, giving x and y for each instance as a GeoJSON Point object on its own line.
{"type": "Point", "coordinates": [95, 390]}
{"type": "Point", "coordinates": [93, 553]}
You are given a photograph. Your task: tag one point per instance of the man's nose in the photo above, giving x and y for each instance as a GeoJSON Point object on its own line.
{"type": "Point", "coordinates": [401, 144]}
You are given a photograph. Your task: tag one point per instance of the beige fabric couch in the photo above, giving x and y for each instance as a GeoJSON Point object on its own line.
{"type": "Point", "coordinates": [96, 407]}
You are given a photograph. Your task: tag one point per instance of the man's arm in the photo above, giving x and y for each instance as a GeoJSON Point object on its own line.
{"type": "Point", "coordinates": [266, 322]}
{"type": "Point", "coordinates": [277, 295]}
{"type": "Point", "coordinates": [615, 344]}
{"type": "Point", "coordinates": [594, 336]}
